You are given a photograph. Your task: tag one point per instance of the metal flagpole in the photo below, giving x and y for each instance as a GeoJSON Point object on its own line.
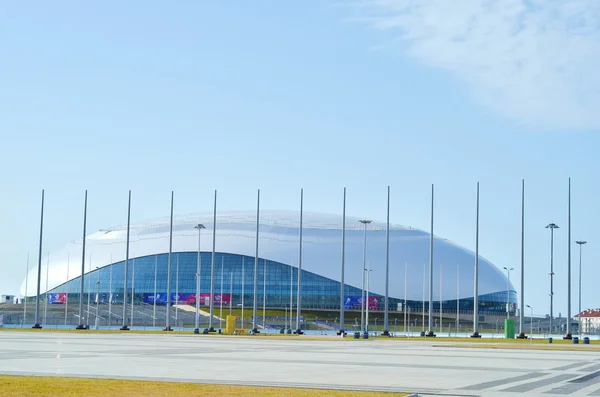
{"type": "Point", "coordinates": [154, 300]}
{"type": "Point", "coordinates": [82, 280]}
{"type": "Point", "coordinates": [569, 336]}
{"type": "Point", "coordinates": [221, 292]}
{"type": "Point", "coordinates": [46, 300]}
{"type": "Point", "coordinates": [169, 265]}
{"type": "Point", "coordinates": [368, 271]}
{"type": "Point", "coordinates": [405, 285]}
{"type": "Point", "coordinates": [264, 292]}
{"type": "Point", "coordinates": [67, 288]}
{"type": "Point", "coordinates": [457, 298]}
{"type": "Point", "coordinates": [96, 322]}
{"type": "Point", "coordinates": [291, 294]}
{"type": "Point", "coordinates": [386, 331]}
{"type": "Point", "coordinates": [97, 299]}
{"type": "Point", "coordinates": [522, 303]}
{"type": "Point", "coordinates": [342, 286]}
{"type": "Point", "coordinates": [299, 297]}
{"type": "Point", "coordinates": [476, 281]}
{"type": "Point", "coordinates": [243, 282]}
{"type": "Point", "coordinates": [212, 269]}
{"type": "Point", "coordinates": [39, 275]}
{"type": "Point", "coordinates": [25, 300]}
{"type": "Point", "coordinates": [230, 291]}
{"type": "Point", "coordinates": [441, 301]}
{"type": "Point", "coordinates": [89, 291]}
{"type": "Point", "coordinates": [125, 326]}
{"type": "Point", "coordinates": [255, 294]}
{"type": "Point", "coordinates": [132, 289]}
{"type": "Point", "coordinates": [430, 333]}
{"type": "Point", "coordinates": [423, 300]}
{"type": "Point", "coordinates": [110, 293]}
{"type": "Point", "coordinates": [177, 287]}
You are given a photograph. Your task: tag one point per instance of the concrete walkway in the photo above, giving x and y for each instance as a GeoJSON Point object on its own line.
{"type": "Point", "coordinates": [424, 366]}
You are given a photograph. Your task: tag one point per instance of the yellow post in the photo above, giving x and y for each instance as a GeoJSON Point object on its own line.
{"type": "Point", "coordinates": [230, 324]}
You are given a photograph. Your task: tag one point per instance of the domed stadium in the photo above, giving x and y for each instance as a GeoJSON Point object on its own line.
{"type": "Point", "coordinates": [277, 269]}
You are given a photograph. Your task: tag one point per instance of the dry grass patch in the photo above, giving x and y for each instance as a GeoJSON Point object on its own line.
{"type": "Point", "coordinates": [32, 386]}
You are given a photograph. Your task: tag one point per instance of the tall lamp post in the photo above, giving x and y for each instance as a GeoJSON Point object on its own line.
{"type": "Point", "coordinates": [569, 335]}
{"type": "Point", "coordinates": [199, 227]}
{"type": "Point", "coordinates": [212, 269]}
{"type": "Point", "coordinates": [522, 294]}
{"type": "Point", "coordinates": [365, 222]}
{"type": "Point", "coordinates": [368, 271]}
{"type": "Point", "coordinates": [386, 331]}
{"type": "Point", "coordinates": [580, 243]}
{"type": "Point", "coordinates": [342, 331]}
{"type": "Point", "coordinates": [551, 226]}
{"type": "Point", "coordinates": [531, 320]}
{"type": "Point", "coordinates": [508, 290]}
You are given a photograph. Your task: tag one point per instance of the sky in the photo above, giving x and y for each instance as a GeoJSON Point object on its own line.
{"type": "Point", "coordinates": [193, 96]}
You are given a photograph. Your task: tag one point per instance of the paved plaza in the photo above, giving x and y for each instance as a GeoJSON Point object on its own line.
{"type": "Point", "coordinates": [419, 366]}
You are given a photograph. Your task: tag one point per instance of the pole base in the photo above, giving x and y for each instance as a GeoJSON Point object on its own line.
{"type": "Point", "coordinates": [475, 335]}
{"type": "Point", "coordinates": [124, 328]}
{"type": "Point", "coordinates": [167, 329]}
{"type": "Point", "coordinates": [81, 327]}
{"type": "Point", "coordinates": [299, 332]}
{"type": "Point", "coordinates": [430, 334]}
{"type": "Point", "coordinates": [522, 336]}
{"type": "Point", "coordinates": [212, 329]}
{"type": "Point", "coordinates": [568, 336]}
{"type": "Point", "coordinates": [385, 333]}
{"type": "Point", "coordinates": [341, 332]}
{"type": "Point", "coordinates": [37, 326]}
{"type": "Point", "coordinates": [255, 331]}
{"type": "Point", "coordinates": [196, 331]}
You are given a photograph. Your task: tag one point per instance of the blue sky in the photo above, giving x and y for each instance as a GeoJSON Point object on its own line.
{"type": "Point", "coordinates": [235, 96]}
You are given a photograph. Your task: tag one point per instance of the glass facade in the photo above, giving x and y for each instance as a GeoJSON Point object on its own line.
{"type": "Point", "coordinates": [234, 273]}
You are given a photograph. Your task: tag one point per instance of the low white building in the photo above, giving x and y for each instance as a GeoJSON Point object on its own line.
{"type": "Point", "coordinates": [7, 298]}
{"type": "Point", "coordinates": [590, 320]}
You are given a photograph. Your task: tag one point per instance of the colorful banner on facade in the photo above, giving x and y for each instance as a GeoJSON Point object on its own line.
{"type": "Point", "coordinates": [187, 299]}
{"type": "Point", "coordinates": [104, 298]}
{"type": "Point", "coordinates": [354, 302]}
{"type": "Point", "coordinates": [59, 298]}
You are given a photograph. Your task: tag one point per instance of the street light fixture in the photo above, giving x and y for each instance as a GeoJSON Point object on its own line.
{"type": "Point", "coordinates": [551, 226]}
{"type": "Point", "coordinates": [531, 320]}
{"type": "Point", "coordinates": [365, 222]}
{"type": "Point", "coordinates": [508, 291]}
{"type": "Point", "coordinates": [580, 243]}
{"type": "Point", "coordinates": [199, 227]}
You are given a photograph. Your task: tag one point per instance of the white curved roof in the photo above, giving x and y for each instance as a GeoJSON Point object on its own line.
{"type": "Point", "coordinates": [321, 253]}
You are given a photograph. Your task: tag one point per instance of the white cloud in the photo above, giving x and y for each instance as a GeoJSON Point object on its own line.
{"type": "Point", "coordinates": [535, 61]}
